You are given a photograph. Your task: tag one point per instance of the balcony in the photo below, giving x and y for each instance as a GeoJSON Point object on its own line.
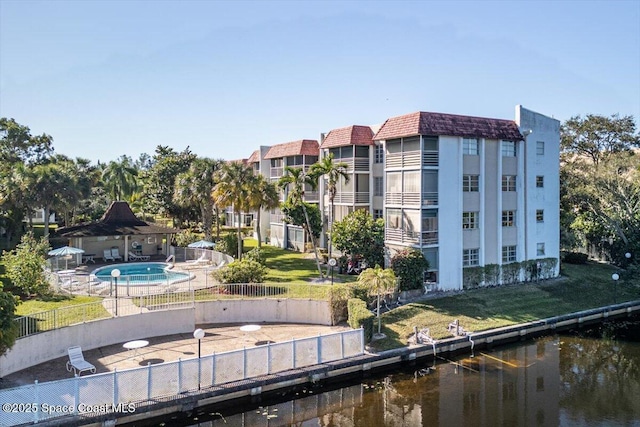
{"type": "Point", "coordinates": [406, 159]}
{"type": "Point", "coordinates": [400, 235]}
{"type": "Point", "coordinates": [276, 217]}
{"type": "Point", "coordinates": [430, 158]}
{"type": "Point", "coordinates": [430, 237]}
{"type": "Point", "coordinates": [311, 196]}
{"type": "Point", "coordinates": [276, 172]}
{"type": "Point", "coordinates": [350, 198]}
{"type": "Point", "coordinates": [402, 199]}
{"type": "Point", "coordinates": [430, 198]}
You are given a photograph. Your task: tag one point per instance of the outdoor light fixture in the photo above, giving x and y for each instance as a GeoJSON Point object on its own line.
{"type": "Point", "coordinates": [198, 334]}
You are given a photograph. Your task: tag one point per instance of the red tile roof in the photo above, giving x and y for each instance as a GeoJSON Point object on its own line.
{"type": "Point", "coordinates": [307, 147]}
{"type": "Point", "coordinates": [422, 123]}
{"type": "Point", "coordinates": [254, 157]}
{"type": "Point", "coordinates": [351, 135]}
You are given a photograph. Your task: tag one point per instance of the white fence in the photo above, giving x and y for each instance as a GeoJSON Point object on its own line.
{"type": "Point", "coordinates": [123, 391]}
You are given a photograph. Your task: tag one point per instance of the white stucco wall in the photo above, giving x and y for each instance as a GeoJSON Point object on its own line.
{"type": "Point", "coordinates": [40, 348]}
{"type": "Point", "coordinates": [267, 310]}
{"type": "Point", "coordinates": [450, 201]}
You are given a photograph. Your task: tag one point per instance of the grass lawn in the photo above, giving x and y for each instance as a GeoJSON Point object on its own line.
{"type": "Point", "coordinates": [290, 266]}
{"type": "Point", "coordinates": [582, 287]}
{"type": "Point", "coordinates": [35, 306]}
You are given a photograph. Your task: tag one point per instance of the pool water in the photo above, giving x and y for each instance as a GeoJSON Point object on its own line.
{"type": "Point", "coordinates": [141, 273]}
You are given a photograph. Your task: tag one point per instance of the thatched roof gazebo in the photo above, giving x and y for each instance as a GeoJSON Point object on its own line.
{"type": "Point", "coordinates": [119, 230]}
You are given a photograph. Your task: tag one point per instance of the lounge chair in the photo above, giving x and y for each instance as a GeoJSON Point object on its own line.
{"type": "Point", "coordinates": [107, 255]}
{"type": "Point", "coordinates": [115, 254]}
{"type": "Point", "coordinates": [134, 257]}
{"type": "Point", "coordinates": [76, 362]}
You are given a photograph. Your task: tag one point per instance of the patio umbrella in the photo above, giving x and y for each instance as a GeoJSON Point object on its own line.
{"type": "Point", "coordinates": [65, 251]}
{"type": "Point", "coordinates": [202, 244]}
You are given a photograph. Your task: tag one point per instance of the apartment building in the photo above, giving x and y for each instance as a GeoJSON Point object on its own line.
{"type": "Point", "coordinates": [470, 191]}
{"type": "Point", "coordinates": [296, 154]}
{"type": "Point", "coordinates": [466, 191]}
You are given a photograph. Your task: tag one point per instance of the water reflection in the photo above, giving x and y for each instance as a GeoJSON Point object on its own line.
{"type": "Point", "coordinates": [559, 380]}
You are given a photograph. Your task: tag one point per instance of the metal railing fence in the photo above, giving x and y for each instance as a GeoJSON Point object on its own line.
{"type": "Point", "coordinates": [43, 321]}
{"type": "Point", "coordinates": [123, 391]}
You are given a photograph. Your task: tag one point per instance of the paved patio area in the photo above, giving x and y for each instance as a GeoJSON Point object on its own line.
{"type": "Point", "coordinates": [218, 338]}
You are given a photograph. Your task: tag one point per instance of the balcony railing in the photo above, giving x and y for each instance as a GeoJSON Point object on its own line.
{"type": "Point", "coordinates": [311, 196]}
{"type": "Point", "coordinates": [429, 198]}
{"type": "Point", "coordinates": [276, 172]}
{"type": "Point", "coordinates": [278, 218]}
{"type": "Point", "coordinates": [400, 235]}
{"type": "Point", "coordinates": [430, 237]}
{"type": "Point", "coordinates": [402, 199]}
{"type": "Point", "coordinates": [359, 197]}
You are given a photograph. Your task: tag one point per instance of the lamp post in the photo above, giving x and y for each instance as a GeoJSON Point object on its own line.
{"type": "Point", "coordinates": [115, 273]}
{"type": "Point", "coordinates": [332, 263]}
{"type": "Point", "coordinates": [198, 334]}
{"type": "Point", "coordinates": [615, 277]}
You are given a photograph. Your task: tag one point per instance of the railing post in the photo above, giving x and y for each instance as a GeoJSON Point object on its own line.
{"type": "Point", "coordinates": [319, 349]}
{"type": "Point", "coordinates": [76, 393]}
{"type": "Point", "coordinates": [213, 369]}
{"type": "Point", "coordinates": [342, 345]}
{"type": "Point", "coordinates": [293, 353]}
{"type": "Point", "coordinates": [55, 319]}
{"type": "Point", "coordinates": [179, 375]}
{"type": "Point", "coordinates": [36, 400]}
{"type": "Point", "coordinates": [361, 340]}
{"type": "Point", "coordinates": [268, 357]}
{"type": "Point", "coordinates": [149, 382]}
{"type": "Point", "coordinates": [244, 363]}
{"type": "Point", "coordinates": [115, 386]}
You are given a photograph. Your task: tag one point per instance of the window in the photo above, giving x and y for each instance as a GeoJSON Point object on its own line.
{"type": "Point", "coordinates": [508, 254]}
{"type": "Point", "coordinates": [470, 146]}
{"type": "Point", "coordinates": [540, 148]}
{"type": "Point", "coordinates": [539, 215]}
{"type": "Point", "coordinates": [470, 183]}
{"type": "Point", "coordinates": [508, 149]}
{"type": "Point", "coordinates": [508, 183]}
{"type": "Point", "coordinates": [379, 158]}
{"type": "Point", "coordinates": [508, 218]}
{"type": "Point", "coordinates": [378, 186]}
{"type": "Point", "coordinates": [470, 257]}
{"type": "Point", "coordinates": [469, 220]}
{"type": "Point", "coordinates": [540, 249]}
{"type": "Point", "coordinates": [377, 213]}
{"type": "Point", "coordinates": [540, 181]}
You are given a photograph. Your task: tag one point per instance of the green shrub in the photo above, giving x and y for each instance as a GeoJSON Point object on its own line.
{"type": "Point", "coordinates": [359, 316]}
{"type": "Point", "coordinates": [228, 244]}
{"type": "Point", "coordinates": [244, 271]}
{"type": "Point", "coordinates": [575, 258]}
{"type": "Point", "coordinates": [511, 273]}
{"type": "Point", "coordinates": [338, 297]}
{"type": "Point", "coordinates": [491, 274]}
{"type": "Point", "coordinates": [472, 277]}
{"type": "Point", "coordinates": [409, 266]}
{"type": "Point", "coordinates": [256, 254]}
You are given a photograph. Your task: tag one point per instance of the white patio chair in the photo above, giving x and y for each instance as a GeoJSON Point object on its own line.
{"type": "Point", "coordinates": [134, 257]}
{"type": "Point", "coordinates": [76, 362]}
{"type": "Point", "coordinates": [107, 255]}
{"type": "Point", "coordinates": [115, 254]}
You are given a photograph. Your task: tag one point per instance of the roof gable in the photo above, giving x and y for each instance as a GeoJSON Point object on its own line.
{"type": "Point", "coordinates": [351, 135]}
{"type": "Point", "coordinates": [305, 147]}
{"type": "Point", "coordinates": [424, 123]}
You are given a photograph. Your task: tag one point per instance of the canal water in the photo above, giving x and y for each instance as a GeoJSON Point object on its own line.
{"type": "Point", "coordinates": [588, 378]}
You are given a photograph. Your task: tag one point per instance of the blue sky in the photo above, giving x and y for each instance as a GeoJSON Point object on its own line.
{"type": "Point", "coordinates": [121, 77]}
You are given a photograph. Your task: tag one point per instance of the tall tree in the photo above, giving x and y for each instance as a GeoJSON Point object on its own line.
{"type": "Point", "coordinates": [360, 236]}
{"type": "Point", "coordinates": [17, 145]}
{"type": "Point", "coordinates": [333, 172]}
{"type": "Point", "coordinates": [595, 137]}
{"type": "Point", "coordinates": [120, 178]}
{"type": "Point", "coordinates": [295, 180]}
{"type": "Point", "coordinates": [159, 180]}
{"type": "Point", "coordinates": [262, 195]}
{"type": "Point", "coordinates": [233, 191]}
{"type": "Point", "coordinates": [600, 184]}
{"type": "Point", "coordinates": [378, 281]}
{"type": "Point", "coordinates": [195, 188]}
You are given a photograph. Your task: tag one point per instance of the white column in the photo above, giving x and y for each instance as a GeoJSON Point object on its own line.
{"type": "Point", "coordinates": [481, 214]}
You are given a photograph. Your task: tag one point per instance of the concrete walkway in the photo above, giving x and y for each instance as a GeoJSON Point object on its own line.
{"type": "Point", "coordinates": [218, 338]}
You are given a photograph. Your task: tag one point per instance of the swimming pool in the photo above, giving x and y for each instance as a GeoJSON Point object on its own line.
{"type": "Point", "coordinates": [141, 273]}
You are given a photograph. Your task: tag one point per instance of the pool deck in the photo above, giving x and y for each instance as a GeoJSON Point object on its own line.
{"type": "Point", "coordinates": [218, 338]}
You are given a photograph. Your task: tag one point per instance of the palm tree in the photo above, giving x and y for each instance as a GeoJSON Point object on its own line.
{"type": "Point", "coordinates": [262, 195]}
{"type": "Point", "coordinates": [333, 171]}
{"type": "Point", "coordinates": [378, 280]}
{"type": "Point", "coordinates": [295, 180]}
{"type": "Point", "coordinates": [233, 190]}
{"type": "Point", "coordinates": [194, 188]}
{"type": "Point", "coordinates": [120, 178]}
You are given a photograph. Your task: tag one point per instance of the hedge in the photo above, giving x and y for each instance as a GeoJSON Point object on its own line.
{"type": "Point", "coordinates": [359, 316]}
